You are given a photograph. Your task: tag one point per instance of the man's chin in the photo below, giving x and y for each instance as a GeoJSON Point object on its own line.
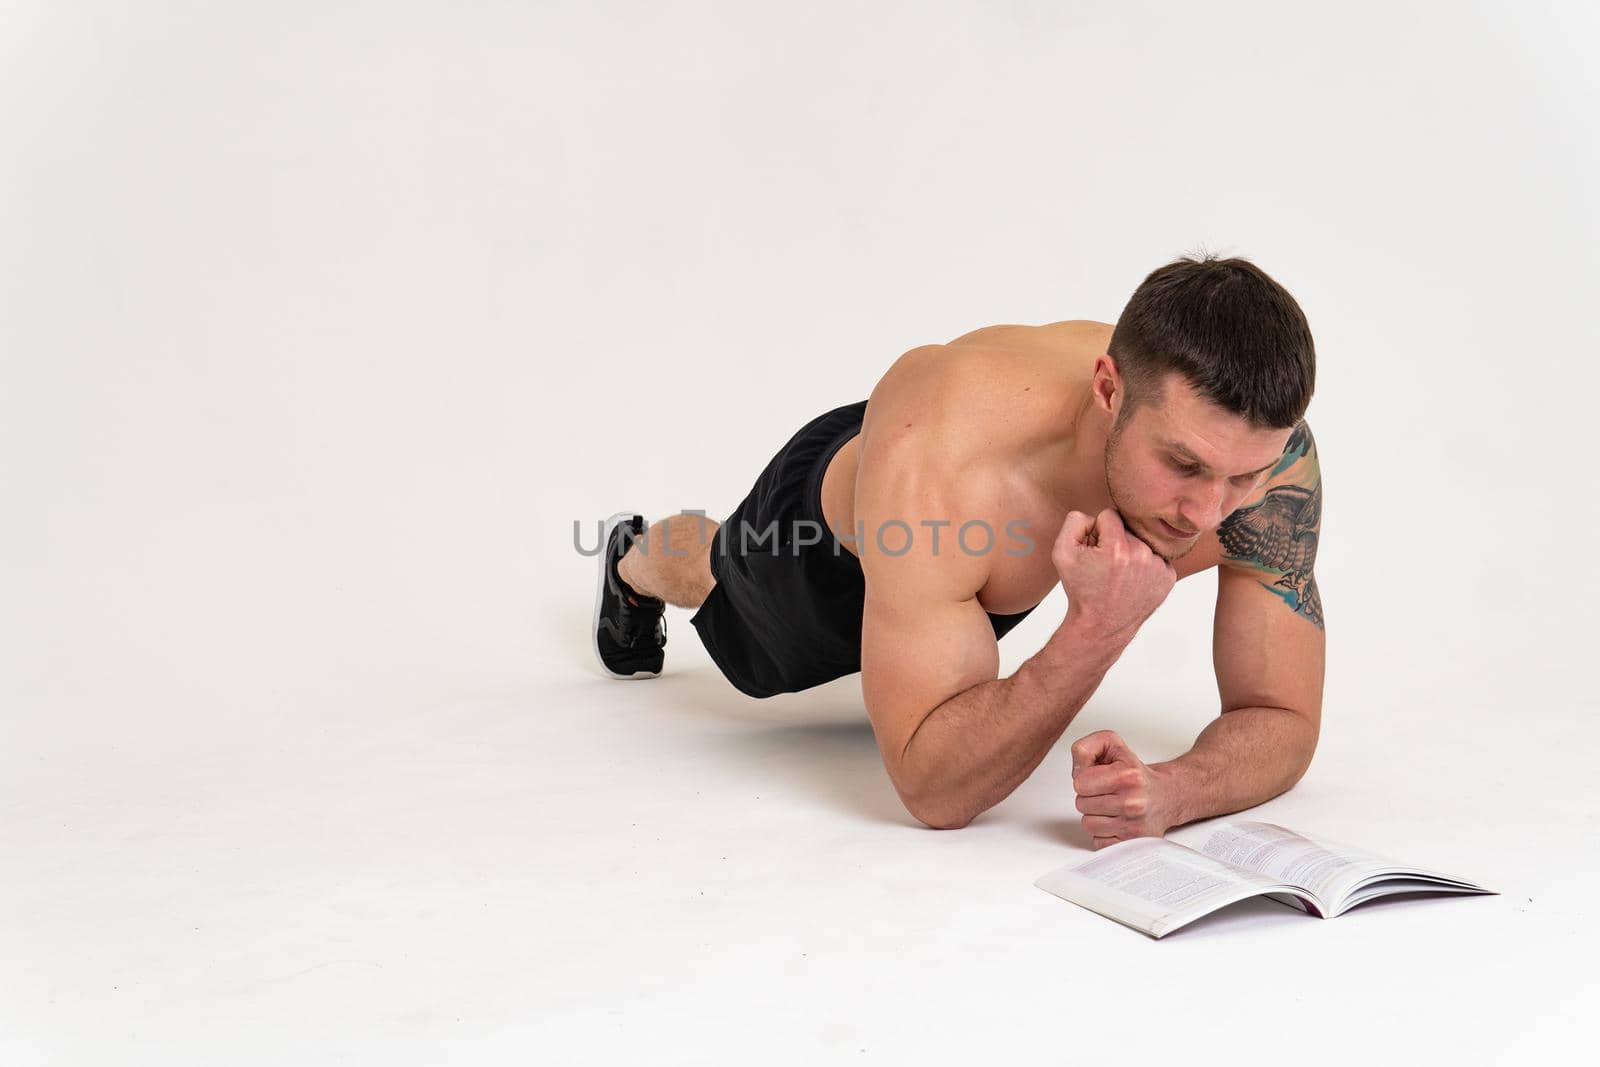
{"type": "Point", "coordinates": [1164, 545]}
{"type": "Point", "coordinates": [1183, 549]}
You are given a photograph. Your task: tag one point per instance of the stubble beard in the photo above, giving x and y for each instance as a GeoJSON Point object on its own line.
{"type": "Point", "coordinates": [1122, 510]}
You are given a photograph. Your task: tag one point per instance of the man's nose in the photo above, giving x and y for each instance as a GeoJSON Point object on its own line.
{"type": "Point", "coordinates": [1203, 511]}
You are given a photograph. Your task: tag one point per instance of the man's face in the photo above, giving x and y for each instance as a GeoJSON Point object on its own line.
{"type": "Point", "coordinates": [1177, 465]}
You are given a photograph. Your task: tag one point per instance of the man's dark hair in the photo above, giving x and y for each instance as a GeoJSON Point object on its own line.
{"type": "Point", "coordinates": [1235, 334]}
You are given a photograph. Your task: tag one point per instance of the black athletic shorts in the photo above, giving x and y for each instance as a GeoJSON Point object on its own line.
{"type": "Point", "coordinates": [785, 615]}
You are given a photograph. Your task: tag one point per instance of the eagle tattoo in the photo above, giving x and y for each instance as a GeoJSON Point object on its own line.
{"type": "Point", "coordinates": [1279, 533]}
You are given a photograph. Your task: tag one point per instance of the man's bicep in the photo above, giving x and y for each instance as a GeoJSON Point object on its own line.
{"type": "Point", "coordinates": [916, 653]}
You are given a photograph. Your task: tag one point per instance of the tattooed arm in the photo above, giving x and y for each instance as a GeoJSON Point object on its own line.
{"type": "Point", "coordinates": [1267, 648]}
{"type": "Point", "coordinates": [1274, 537]}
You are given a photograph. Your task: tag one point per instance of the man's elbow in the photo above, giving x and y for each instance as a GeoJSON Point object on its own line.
{"type": "Point", "coordinates": [941, 821]}
{"type": "Point", "coordinates": [934, 811]}
{"type": "Point", "coordinates": [1304, 753]}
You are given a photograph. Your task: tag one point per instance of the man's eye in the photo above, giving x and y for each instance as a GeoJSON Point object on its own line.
{"type": "Point", "coordinates": [1185, 468]}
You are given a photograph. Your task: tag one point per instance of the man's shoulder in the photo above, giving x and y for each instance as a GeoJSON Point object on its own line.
{"type": "Point", "coordinates": [927, 409]}
{"type": "Point", "coordinates": [1284, 509]}
{"type": "Point", "coordinates": [969, 398]}
{"type": "Point", "coordinates": [1289, 497]}
{"type": "Point", "coordinates": [1299, 457]}
{"type": "Point", "coordinates": [925, 470]}
{"type": "Point", "coordinates": [1296, 476]}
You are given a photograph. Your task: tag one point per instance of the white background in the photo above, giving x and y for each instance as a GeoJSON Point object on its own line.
{"type": "Point", "coordinates": [322, 323]}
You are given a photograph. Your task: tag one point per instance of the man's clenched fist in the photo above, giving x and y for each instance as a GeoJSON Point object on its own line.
{"type": "Point", "coordinates": [1112, 578]}
{"type": "Point", "coordinates": [1120, 797]}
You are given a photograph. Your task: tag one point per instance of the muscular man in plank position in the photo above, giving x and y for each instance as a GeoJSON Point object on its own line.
{"type": "Point", "coordinates": [902, 535]}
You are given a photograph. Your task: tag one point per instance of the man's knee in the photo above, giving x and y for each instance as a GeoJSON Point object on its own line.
{"type": "Point", "coordinates": [673, 559]}
{"type": "Point", "coordinates": [688, 534]}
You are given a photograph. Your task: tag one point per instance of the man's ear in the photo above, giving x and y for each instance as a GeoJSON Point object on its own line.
{"type": "Point", "coordinates": [1107, 387]}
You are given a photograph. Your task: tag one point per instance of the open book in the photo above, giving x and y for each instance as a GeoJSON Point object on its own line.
{"type": "Point", "coordinates": [1156, 886]}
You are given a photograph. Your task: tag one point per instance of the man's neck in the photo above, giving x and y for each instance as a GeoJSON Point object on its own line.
{"type": "Point", "coordinates": [1078, 479]}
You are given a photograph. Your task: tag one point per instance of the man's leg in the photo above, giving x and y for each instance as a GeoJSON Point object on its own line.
{"type": "Point", "coordinates": [672, 560]}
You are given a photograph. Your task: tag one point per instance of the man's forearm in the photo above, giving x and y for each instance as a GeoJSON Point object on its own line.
{"type": "Point", "coordinates": [1243, 758]}
{"type": "Point", "coordinates": [973, 750]}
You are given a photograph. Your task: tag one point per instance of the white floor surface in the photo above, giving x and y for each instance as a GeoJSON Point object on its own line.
{"type": "Point", "coordinates": [322, 324]}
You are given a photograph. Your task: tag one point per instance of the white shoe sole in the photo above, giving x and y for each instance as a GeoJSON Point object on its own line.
{"type": "Point", "coordinates": [599, 598]}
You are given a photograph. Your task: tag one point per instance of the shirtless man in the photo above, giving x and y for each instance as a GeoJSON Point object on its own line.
{"type": "Point", "coordinates": [901, 536]}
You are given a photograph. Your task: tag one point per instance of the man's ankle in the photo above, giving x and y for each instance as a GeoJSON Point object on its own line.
{"type": "Point", "coordinates": [629, 579]}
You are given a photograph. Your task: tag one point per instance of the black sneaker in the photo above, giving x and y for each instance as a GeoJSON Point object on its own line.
{"type": "Point", "coordinates": [630, 629]}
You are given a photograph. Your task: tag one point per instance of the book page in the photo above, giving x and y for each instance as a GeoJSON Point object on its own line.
{"type": "Point", "coordinates": [1328, 871]}
{"type": "Point", "coordinates": [1152, 884]}
{"type": "Point", "coordinates": [1394, 886]}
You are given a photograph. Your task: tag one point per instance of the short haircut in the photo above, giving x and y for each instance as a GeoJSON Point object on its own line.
{"type": "Point", "coordinates": [1236, 335]}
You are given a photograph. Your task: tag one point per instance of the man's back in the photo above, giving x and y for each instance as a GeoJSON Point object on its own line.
{"type": "Point", "coordinates": [980, 425]}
